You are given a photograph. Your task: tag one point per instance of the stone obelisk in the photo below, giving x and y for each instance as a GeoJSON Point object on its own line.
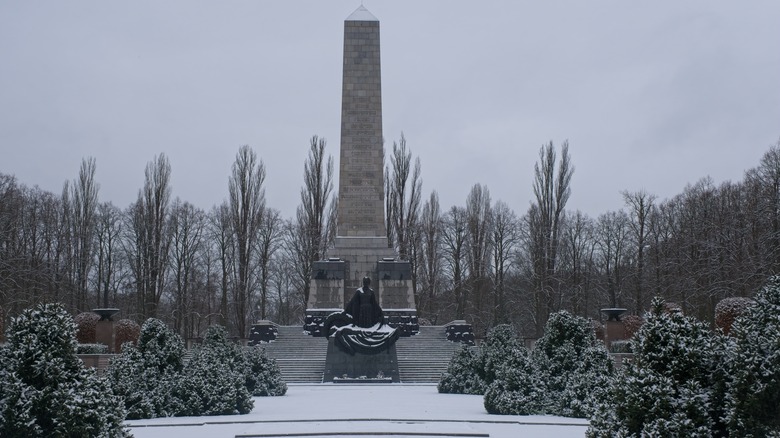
{"type": "Point", "coordinates": [361, 246]}
{"type": "Point", "coordinates": [361, 180]}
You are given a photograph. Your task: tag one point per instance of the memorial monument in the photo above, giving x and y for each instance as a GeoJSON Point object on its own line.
{"type": "Point", "coordinates": [361, 246]}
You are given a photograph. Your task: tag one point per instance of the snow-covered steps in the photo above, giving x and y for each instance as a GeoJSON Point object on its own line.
{"type": "Point", "coordinates": [301, 358]}
{"type": "Point", "coordinates": [421, 358]}
{"type": "Point", "coordinates": [424, 357]}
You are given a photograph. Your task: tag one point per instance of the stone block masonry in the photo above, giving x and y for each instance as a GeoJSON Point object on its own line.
{"type": "Point", "coordinates": [361, 170]}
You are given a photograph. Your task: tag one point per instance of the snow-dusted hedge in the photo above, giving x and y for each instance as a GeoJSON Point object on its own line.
{"type": "Point", "coordinates": [670, 388]}
{"type": "Point", "coordinates": [753, 398]}
{"type": "Point", "coordinates": [214, 380]}
{"type": "Point", "coordinates": [517, 389]}
{"type": "Point", "coordinates": [263, 377]}
{"type": "Point", "coordinates": [91, 349]}
{"type": "Point", "coordinates": [219, 378]}
{"type": "Point", "coordinates": [45, 390]}
{"type": "Point", "coordinates": [470, 372]}
{"type": "Point", "coordinates": [146, 375]}
{"type": "Point", "coordinates": [565, 374]}
{"type": "Point", "coordinates": [463, 374]}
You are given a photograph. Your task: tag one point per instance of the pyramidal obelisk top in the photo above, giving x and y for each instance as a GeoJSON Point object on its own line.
{"type": "Point", "coordinates": [361, 14]}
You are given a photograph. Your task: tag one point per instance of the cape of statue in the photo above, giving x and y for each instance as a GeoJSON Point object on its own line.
{"type": "Point", "coordinates": [360, 328]}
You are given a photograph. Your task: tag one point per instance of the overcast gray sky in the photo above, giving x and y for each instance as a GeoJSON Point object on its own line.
{"type": "Point", "coordinates": [650, 95]}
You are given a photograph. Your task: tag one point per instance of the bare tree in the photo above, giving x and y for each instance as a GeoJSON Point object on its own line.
{"type": "Point", "coordinates": [84, 194]}
{"type": "Point", "coordinates": [579, 247]}
{"type": "Point", "coordinates": [551, 191]}
{"type": "Point", "coordinates": [504, 237]}
{"type": "Point", "coordinates": [478, 225]}
{"type": "Point", "coordinates": [268, 242]}
{"type": "Point", "coordinates": [641, 205]}
{"type": "Point", "coordinates": [315, 217]}
{"type": "Point", "coordinates": [612, 231]}
{"type": "Point", "coordinates": [454, 235]}
{"type": "Point", "coordinates": [154, 200]}
{"type": "Point", "coordinates": [108, 233]}
{"type": "Point", "coordinates": [221, 235]}
{"type": "Point", "coordinates": [188, 226]}
{"type": "Point", "coordinates": [430, 229]}
{"type": "Point", "coordinates": [247, 206]}
{"type": "Point", "coordinates": [404, 196]}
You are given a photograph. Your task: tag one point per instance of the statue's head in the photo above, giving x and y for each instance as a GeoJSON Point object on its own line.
{"type": "Point", "coordinates": [366, 281]}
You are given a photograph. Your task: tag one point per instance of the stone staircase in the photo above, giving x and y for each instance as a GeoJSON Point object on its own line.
{"type": "Point", "coordinates": [301, 358]}
{"type": "Point", "coordinates": [421, 358]}
{"type": "Point", "coordinates": [424, 357]}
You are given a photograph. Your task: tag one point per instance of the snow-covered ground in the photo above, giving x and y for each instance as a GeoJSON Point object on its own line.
{"type": "Point", "coordinates": [363, 410]}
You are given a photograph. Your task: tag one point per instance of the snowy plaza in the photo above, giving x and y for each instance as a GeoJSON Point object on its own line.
{"type": "Point", "coordinates": [357, 410]}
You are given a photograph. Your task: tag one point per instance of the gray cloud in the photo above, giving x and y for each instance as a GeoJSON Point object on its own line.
{"type": "Point", "coordinates": [649, 96]}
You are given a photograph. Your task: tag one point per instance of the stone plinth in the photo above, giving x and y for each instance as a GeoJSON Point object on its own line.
{"type": "Point", "coordinates": [262, 332]}
{"type": "Point", "coordinates": [104, 330]}
{"type": "Point", "coordinates": [340, 364]}
{"type": "Point", "coordinates": [327, 284]}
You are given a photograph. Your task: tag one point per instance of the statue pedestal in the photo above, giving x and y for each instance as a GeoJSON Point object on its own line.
{"type": "Point", "coordinates": [360, 368]}
{"type": "Point", "coordinates": [104, 331]}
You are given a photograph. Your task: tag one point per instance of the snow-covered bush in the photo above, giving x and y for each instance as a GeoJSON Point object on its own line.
{"type": "Point", "coordinates": [574, 366]}
{"type": "Point", "coordinates": [263, 377]}
{"type": "Point", "coordinates": [728, 310]}
{"type": "Point", "coordinates": [498, 348]}
{"type": "Point", "coordinates": [470, 372]}
{"type": "Point", "coordinates": [211, 385]}
{"type": "Point", "coordinates": [622, 346]}
{"type": "Point", "coordinates": [86, 327]}
{"type": "Point", "coordinates": [45, 390]}
{"type": "Point", "coordinates": [125, 330]}
{"type": "Point", "coordinates": [668, 388]}
{"type": "Point", "coordinates": [753, 398]}
{"type": "Point", "coordinates": [146, 375]}
{"type": "Point", "coordinates": [565, 374]}
{"type": "Point", "coordinates": [215, 378]}
{"type": "Point", "coordinates": [463, 374]}
{"type": "Point", "coordinates": [517, 388]}
{"type": "Point", "coordinates": [91, 349]}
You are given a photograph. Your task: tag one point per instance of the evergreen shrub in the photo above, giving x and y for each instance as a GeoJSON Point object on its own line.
{"type": "Point", "coordinates": [470, 372]}
{"type": "Point", "coordinates": [91, 349]}
{"type": "Point", "coordinates": [146, 375]}
{"type": "Point", "coordinates": [753, 391]}
{"type": "Point", "coordinates": [263, 377]}
{"type": "Point", "coordinates": [463, 374]}
{"type": "Point", "coordinates": [45, 390]}
{"type": "Point", "coordinates": [669, 387]}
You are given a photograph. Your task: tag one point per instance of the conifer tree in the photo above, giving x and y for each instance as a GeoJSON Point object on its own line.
{"type": "Point", "coordinates": [146, 376]}
{"type": "Point", "coordinates": [753, 398]}
{"type": "Point", "coordinates": [463, 374]}
{"type": "Point", "coordinates": [574, 366]}
{"type": "Point", "coordinates": [45, 390]}
{"type": "Point", "coordinates": [667, 390]}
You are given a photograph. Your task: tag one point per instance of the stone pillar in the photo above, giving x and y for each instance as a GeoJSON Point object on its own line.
{"type": "Point", "coordinates": [361, 169]}
{"type": "Point", "coordinates": [104, 331]}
